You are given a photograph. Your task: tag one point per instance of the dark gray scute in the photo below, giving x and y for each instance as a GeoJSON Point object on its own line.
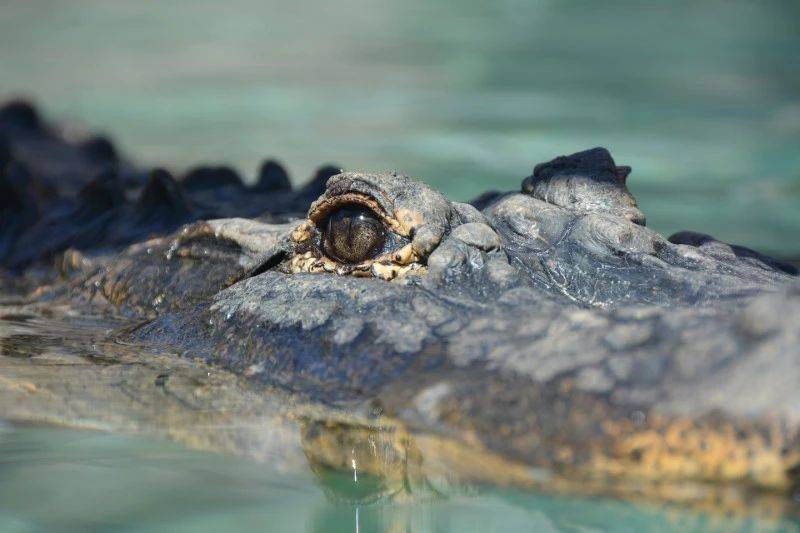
{"type": "Point", "coordinates": [587, 181]}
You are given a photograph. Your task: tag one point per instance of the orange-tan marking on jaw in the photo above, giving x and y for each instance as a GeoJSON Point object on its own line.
{"type": "Point", "coordinates": [309, 262]}
{"type": "Point", "coordinates": [682, 448]}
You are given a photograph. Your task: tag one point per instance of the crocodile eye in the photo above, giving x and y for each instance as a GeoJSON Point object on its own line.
{"type": "Point", "coordinates": [352, 235]}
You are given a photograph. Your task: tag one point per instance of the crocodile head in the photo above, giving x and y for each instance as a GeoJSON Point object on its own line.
{"type": "Point", "coordinates": [551, 328]}
{"type": "Point", "coordinates": [542, 336]}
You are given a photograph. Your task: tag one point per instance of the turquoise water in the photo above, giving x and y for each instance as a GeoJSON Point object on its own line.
{"type": "Point", "coordinates": [60, 480]}
{"type": "Point", "coordinates": [701, 98]}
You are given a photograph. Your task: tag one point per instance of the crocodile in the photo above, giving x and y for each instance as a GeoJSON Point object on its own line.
{"type": "Point", "coordinates": [544, 337]}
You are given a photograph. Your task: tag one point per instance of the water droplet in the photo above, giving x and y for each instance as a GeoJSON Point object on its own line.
{"type": "Point", "coordinates": [355, 468]}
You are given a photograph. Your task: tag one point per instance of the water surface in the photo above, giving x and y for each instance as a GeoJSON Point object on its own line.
{"type": "Point", "coordinates": [63, 480]}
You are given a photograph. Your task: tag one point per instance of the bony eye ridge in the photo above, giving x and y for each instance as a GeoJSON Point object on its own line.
{"type": "Point", "coordinates": [352, 235]}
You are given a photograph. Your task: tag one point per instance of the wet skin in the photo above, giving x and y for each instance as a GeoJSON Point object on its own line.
{"type": "Point", "coordinates": [546, 327]}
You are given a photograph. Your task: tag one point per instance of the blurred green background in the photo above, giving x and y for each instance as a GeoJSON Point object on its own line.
{"type": "Point", "coordinates": [701, 98]}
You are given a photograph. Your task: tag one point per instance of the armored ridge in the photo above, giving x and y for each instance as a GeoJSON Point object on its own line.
{"type": "Point", "coordinates": [65, 190]}
{"type": "Point", "coordinates": [548, 326]}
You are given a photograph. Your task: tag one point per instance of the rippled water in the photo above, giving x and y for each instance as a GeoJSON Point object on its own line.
{"type": "Point", "coordinates": [702, 99]}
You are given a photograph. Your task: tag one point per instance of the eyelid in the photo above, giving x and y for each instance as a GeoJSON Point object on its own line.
{"type": "Point", "coordinates": [325, 207]}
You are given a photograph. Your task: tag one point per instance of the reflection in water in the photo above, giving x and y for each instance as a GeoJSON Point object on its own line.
{"type": "Point", "coordinates": [393, 481]}
{"type": "Point", "coordinates": [377, 471]}
{"type": "Point", "coordinates": [360, 464]}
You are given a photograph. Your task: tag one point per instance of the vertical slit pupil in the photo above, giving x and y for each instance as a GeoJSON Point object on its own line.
{"type": "Point", "coordinates": [353, 234]}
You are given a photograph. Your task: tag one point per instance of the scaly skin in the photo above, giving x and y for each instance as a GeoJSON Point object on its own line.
{"type": "Point", "coordinates": [549, 329]}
